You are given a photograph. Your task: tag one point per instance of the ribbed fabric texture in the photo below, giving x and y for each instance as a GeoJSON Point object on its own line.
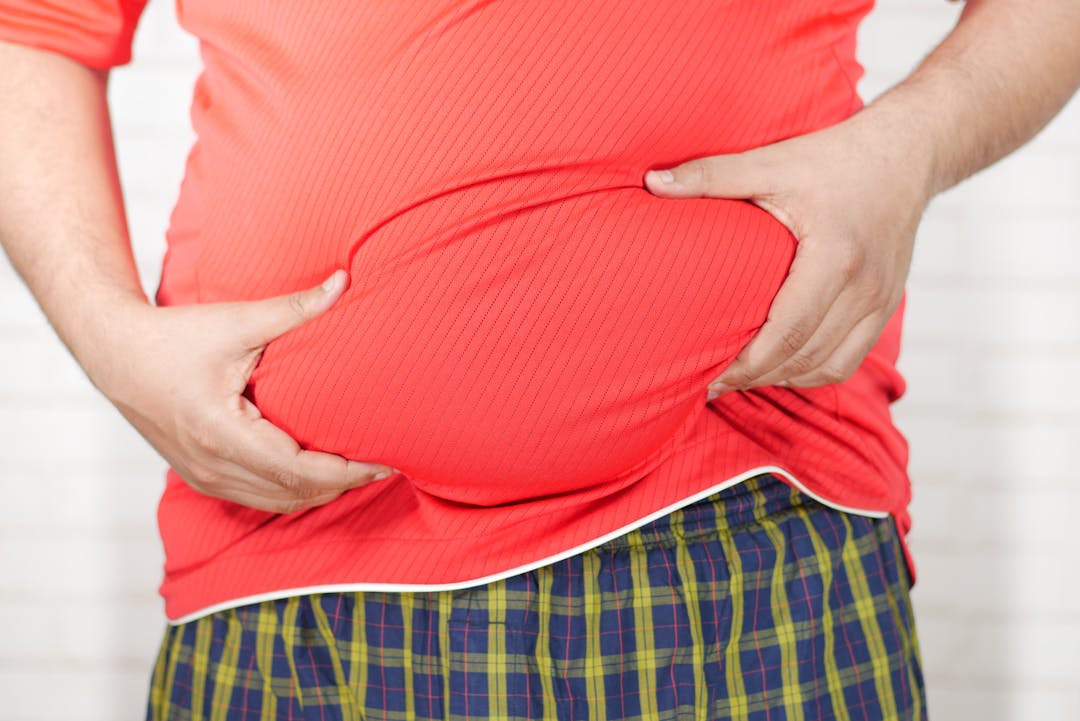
{"type": "Point", "coordinates": [529, 332]}
{"type": "Point", "coordinates": [96, 33]}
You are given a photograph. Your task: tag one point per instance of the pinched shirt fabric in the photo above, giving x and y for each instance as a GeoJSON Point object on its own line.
{"type": "Point", "coordinates": [528, 332]}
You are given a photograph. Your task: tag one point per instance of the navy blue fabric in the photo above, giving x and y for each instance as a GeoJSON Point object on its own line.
{"type": "Point", "coordinates": [757, 603]}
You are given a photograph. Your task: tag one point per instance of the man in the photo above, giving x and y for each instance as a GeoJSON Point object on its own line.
{"type": "Point", "coordinates": [967, 105]}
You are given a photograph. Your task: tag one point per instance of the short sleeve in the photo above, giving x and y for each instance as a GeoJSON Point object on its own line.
{"type": "Point", "coordinates": [96, 33]}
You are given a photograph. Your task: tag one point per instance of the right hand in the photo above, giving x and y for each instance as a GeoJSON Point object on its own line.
{"type": "Point", "coordinates": [178, 374]}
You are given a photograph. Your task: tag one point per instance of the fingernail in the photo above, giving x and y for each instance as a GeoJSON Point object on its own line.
{"type": "Point", "coordinates": [711, 396]}
{"type": "Point", "coordinates": [330, 283]}
{"type": "Point", "coordinates": [719, 388]}
{"type": "Point", "coordinates": [662, 176]}
{"type": "Point", "coordinates": [380, 475]}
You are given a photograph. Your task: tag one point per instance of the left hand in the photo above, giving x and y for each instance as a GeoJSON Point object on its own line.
{"type": "Point", "coordinates": [852, 195]}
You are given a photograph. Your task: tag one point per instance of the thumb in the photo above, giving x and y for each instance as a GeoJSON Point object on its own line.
{"type": "Point", "coordinates": [263, 320]}
{"type": "Point", "coordinates": [739, 175]}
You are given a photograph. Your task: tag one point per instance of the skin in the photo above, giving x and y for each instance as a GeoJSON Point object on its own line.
{"type": "Point", "coordinates": [177, 373]}
{"type": "Point", "coordinates": [854, 193]}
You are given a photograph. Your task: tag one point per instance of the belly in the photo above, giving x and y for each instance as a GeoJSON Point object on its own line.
{"type": "Point", "coordinates": [548, 350]}
{"type": "Point", "coordinates": [524, 318]}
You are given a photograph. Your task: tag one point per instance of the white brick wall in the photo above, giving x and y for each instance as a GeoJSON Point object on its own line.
{"type": "Point", "coordinates": [992, 346]}
{"type": "Point", "coordinates": [991, 343]}
{"type": "Point", "coordinates": [80, 560]}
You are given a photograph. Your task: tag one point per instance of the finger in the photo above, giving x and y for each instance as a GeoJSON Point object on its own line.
{"type": "Point", "coordinates": [738, 175]}
{"type": "Point", "coordinates": [261, 502]}
{"type": "Point", "coordinates": [842, 318]}
{"type": "Point", "coordinates": [812, 286]}
{"type": "Point", "coordinates": [261, 321]}
{"type": "Point", "coordinates": [273, 455]}
{"type": "Point", "coordinates": [241, 485]}
{"type": "Point", "coordinates": [226, 478]}
{"type": "Point", "coordinates": [847, 357]}
{"type": "Point", "coordinates": [288, 483]}
{"type": "Point", "coordinates": [295, 468]}
{"type": "Point", "coordinates": [223, 479]}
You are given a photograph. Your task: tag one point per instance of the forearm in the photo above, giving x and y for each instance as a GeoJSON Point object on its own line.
{"type": "Point", "coordinates": [61, 212]}
{"type": "Point", "coordinates": [1003, 72]}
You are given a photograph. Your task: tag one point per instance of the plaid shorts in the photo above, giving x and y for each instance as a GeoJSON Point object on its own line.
{"type": "Point", "coordinates": [757, 602]}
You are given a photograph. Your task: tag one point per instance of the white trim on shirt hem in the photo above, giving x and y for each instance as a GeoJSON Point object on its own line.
{"type": "Point", "coordinates": [350, 587]}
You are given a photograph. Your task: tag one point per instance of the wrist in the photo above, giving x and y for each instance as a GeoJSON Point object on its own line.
{"type": "Point", "coordinates": [925, 137]}
{"type": "Point", "coordinates": [904, 146]}
{"type": "Point", "coordinates": [102, 344]}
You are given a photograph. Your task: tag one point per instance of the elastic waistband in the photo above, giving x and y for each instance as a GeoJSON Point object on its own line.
{"type": "Point", "coordinates": [730, 510]}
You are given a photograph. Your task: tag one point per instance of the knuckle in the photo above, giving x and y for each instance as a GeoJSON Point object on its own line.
{"type": "Point", "coordinates": [292, 506]}
{"type": "Point", "coordinates": [297, 305]}
{"type": "Point", "coordinates": [205, 433]}
{"type": "Point", "coordinates": [212, 444]}
{"type": "Point", "coordinates": [800, 364]}
{"type": "Point", "coordinates": [888, 294]}
{"type": "Point", "coordinates": [882, 299]}
{"type": "Point", "coordinates": [892, 300]}
{"type": "Point", "coordinates": [871, 292]}
{"type": "Point", "coordinates": [738, 377]}
{"type": "Point", "coordinates": [836, 373]}
{"type": "Point", "coordinates": [202, 436]}
{"type": "Point", "coordinates": [286, 479]}
{"type": "Point", "coordinates": [212, 480]}
{"type": "Point", "coordinates": [741, 382]}
{"type": "Point", "coordinates": [793, 339]}
{"type": "Point", "coordinates": [701, 173]}
{"type": "Point", "coordinates": [851, 259]}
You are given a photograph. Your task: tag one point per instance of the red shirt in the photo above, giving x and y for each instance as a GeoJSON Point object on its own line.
{"type": "Point", "coordinates": [529, 333]}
